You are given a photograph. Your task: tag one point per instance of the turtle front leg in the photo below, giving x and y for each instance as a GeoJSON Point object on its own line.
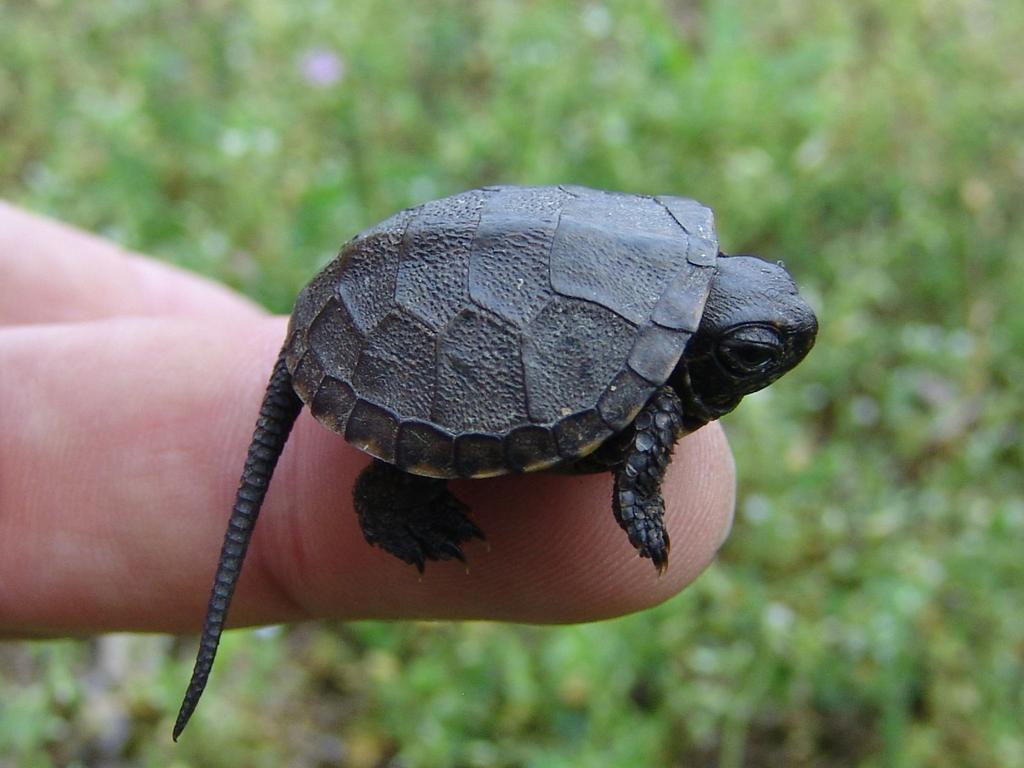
{"type": "Point", "coordinates": [414, 518]}
{"type": "Point", "coordinates": [637, 502]}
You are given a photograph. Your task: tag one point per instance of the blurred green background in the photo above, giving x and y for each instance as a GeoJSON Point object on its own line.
{"type": "Point", "coordinates": [867, 609]}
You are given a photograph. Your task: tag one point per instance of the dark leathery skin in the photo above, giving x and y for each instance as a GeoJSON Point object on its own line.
{"type": "Point", "coordinates": [278, 412]}
{"type": "Point", "coordinates": [414, 518]}
{"type": "Point", "coordinates": [636, 500]}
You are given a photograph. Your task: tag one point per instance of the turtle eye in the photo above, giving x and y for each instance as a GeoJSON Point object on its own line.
{"type": "Point", "coordinates": [749, 350]}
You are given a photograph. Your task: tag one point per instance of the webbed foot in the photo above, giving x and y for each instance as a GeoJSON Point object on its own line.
{"type": "Point", "coordinates": [414, 518]}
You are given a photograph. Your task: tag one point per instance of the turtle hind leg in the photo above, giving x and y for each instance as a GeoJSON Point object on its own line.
{"type": "Point", "coordinates": [637, 501]}
{"type": "Point", "coordinates": [414, 518]}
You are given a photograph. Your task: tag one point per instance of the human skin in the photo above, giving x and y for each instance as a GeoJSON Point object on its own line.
{"type": "Point", "coordinates": [128, 394]}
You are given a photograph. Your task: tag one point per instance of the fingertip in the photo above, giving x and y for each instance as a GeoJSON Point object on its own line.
{"type": "Point", "coordinates": [700, 499]}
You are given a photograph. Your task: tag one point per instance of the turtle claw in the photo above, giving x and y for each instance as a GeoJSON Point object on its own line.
{"type": "Point", "coordinates": [453, 551]}
{"type": "Point", "coordinates": [474, 532]}
{"type": "Point", "coordinates": [647, 533]}
{"type": "Point", "coordinates": [418, 561]}
{"type": "Point", "coordinates": [423, 543]}
{"type": "Point", "coordinates": [660, 558]}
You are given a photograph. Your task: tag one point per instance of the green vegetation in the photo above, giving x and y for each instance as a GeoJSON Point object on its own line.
{"type": "Point", "coordinates": [867, 609]}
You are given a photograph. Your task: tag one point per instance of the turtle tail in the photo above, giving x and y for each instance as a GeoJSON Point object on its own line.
{"type": "Point", "coordinates": [281, 406]}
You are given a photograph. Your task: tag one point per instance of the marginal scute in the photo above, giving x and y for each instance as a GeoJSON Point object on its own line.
{"type": "Point", "coordinates": [480, 385]}
{"type": "Point", "coordinates": [702, 253]}
{"type": "Point", "coordinates": [374, 429]}
{"type": "Point", "coordinates": [479, 456]}
{"type": "Point", "coordinates": [580, 434]}
{"type": "Point", "coordinates": [423, 449]}
{"type": "Point", "coordinates": [682, 303]}
{"type": "Point", "coordinates": [571, 351]}
{"type": "Point", "coordinates": [307, 376]}
{"type": "Point", "coordinates": [332, 403]}
{"type": "Point", "coordinates": [656, 353]}
{"type": "Point", "coordinates": [623, 399]}
{"type": "Point", "coordinates": [396, 368]}
{"type": "Point", "coordinates": [530, 448]}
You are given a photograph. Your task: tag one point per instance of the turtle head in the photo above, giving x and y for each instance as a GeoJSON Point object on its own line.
{"type": "Point", "coordinates": [755, 328]}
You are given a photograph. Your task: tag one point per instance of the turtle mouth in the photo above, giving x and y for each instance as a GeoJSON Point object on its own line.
{"type": "Point", "coordinates": [696, 410]}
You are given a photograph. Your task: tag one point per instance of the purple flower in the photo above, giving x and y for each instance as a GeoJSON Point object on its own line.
{"type": "Point", "coordinates": [321, 67]}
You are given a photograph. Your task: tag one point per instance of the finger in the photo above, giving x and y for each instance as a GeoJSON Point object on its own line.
{"type": "Point", "coordinates": [51, 273]}
{"type": "Point", "coordinates": [554, 553]}
{"type": "Point", "coordinates": [120, 454]}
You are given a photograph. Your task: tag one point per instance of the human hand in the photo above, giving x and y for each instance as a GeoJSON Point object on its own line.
{"type": "Point", "coordinates": [128, 394]}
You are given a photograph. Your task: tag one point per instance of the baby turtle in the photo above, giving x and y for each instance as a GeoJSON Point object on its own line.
{"type": "Point", "coordinates": [512, 329]}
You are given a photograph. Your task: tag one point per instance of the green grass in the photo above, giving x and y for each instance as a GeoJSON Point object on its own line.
{"type": "Point", "coordinates": [866, 611]}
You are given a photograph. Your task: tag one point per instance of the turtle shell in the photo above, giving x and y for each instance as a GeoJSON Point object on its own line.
{"type": "Point", "coordinates": [503, 329]}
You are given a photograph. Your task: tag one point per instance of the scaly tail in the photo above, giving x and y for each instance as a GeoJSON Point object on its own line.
{"type": "Point", "coordinates": [281, 406]}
